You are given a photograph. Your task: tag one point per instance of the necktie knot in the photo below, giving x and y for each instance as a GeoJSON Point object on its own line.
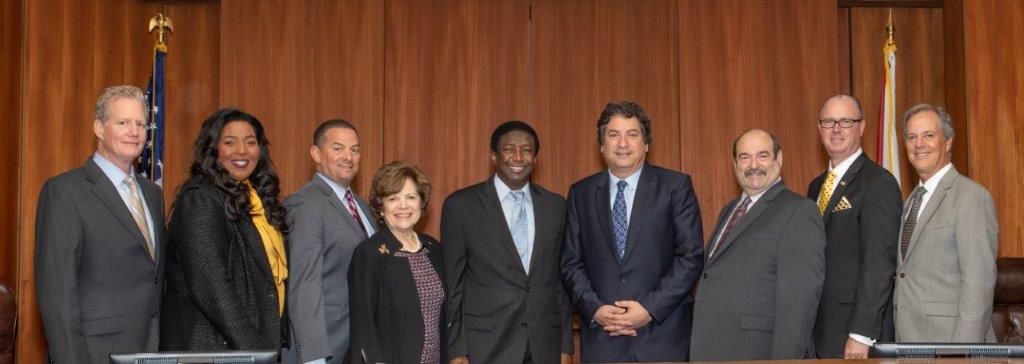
{"type": "Point", "coordinates": [920, 191]}
{"type": "Point", "coordinates": [622, 185]}
{"type": "Point", "coordinates": [517, 196]}
{"type": "Point", "coordinates": [130, 182]}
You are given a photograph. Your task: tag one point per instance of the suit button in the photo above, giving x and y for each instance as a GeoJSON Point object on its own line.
{"type": "Point", "coordinates": [523, 324]}
{"type": "Point", "coordinates": [527, 289]}
{"type": "Point", "coordinates": [154, 313]}
{"type": "Point", "coordinates": [705, 276]}
{"type": "Point", "coordinates": [622, 279]}
{"type": "Point", "coordinates": [902, 275]}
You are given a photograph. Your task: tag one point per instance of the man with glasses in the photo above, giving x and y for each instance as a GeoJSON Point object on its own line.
{"type": "Point", "coordinates": [859, 202]}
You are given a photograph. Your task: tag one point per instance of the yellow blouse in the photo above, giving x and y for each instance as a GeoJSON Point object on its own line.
{"type": "Point", "coordinates": [273, 243]}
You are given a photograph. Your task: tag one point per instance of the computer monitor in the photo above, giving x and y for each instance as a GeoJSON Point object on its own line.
{"type": "Point", "coordinates": [945, 350]}
{"type": "Point", "coordinates": [174, 357]}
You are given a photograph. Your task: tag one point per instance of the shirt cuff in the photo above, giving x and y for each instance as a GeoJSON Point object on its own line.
{"type": "Point", "coordinates": [863, 339]}
{"type": "Point", "coordinates": [318, 361]}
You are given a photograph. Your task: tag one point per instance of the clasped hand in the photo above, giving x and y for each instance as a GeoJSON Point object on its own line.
{"type": "Point", "coordinates": [622, 318]}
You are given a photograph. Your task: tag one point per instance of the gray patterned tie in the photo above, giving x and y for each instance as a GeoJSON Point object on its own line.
{"type": "Point", "coordinates": [619, 222]}
{"type": "Point", "coordinates": [911, 221]}
{"type": "Point", "coordinates": [521, 228]}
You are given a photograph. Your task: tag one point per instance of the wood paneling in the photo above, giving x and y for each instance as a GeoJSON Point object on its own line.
{"type": "Point", "coordinates": [67, 64]}
{"type": "Point", "coordinates": [919, 69]}
{"type": "Point", "coordinates": [11, 35]}
{"type": "Point", "coordinates": [995, 105]}
{"type": "Point", "coordinates": [454, 70]}
{"type": "Point", "coordinates": [296, 64]}
{"type": "Point", "coordinates": [742, 68]}
{"type": "Point", "coordinates": [585, 54]}
{"type": "Point", "coordinates": [955, 72]}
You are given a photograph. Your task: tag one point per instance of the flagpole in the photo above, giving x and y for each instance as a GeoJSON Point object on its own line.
{"type": "Point", "coordinates": [888, 146]}
{"type": "Point", "coordinates": [163, 26]}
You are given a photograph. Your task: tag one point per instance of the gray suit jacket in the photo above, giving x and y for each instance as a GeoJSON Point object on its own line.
{"type": "Point", "coordinates": [944, 286]}
{"type": "Point", "coordinates": [491, 297]}
{"type": "Point", "coordinates": [98, 289]}
{"type": "Point", "coordinates": [758, 295]}
{"type": "Point", "coordinates": [322, 237]}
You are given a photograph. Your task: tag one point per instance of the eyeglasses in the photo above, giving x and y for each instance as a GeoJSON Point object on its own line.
{"type": "Point", "coordinates": [843, 123]}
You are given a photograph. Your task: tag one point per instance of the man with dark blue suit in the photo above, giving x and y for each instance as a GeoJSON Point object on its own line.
{"type": "Point", "coordinates": [633, 248]}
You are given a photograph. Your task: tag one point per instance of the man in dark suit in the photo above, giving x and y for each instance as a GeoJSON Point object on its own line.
{"type": "Point", "coordinates": [765, 265]}
{"type": "Point", "coordinates": [502, 242]}
{"type": "Point", "coordinates": [860, 205]}
{"type": "Point", "coordinates": [327, 221]}
{"type": "Point", "coordinates": [100, 243]}
{"type": "Point", "coordinates": [632, 250]}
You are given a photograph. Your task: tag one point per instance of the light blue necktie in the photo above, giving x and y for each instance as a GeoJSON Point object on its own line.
{"type": "Point", "coordinates": [520, 228]}
{"type": "Point", "coordinates": [619, 222]}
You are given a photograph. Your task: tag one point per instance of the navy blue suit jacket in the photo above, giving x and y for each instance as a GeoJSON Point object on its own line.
{"type": "Point", "coordinates": [663, 258]}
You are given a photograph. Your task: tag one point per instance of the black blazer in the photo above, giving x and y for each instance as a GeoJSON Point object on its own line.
{"type": "Point", "coordinates": [220, 290]}
{"type": "Point", "coordinates": [860, 257]}
{"type": "Point", "coordinates": [97, 287]}
{"type": "Point", "coordinates": [387, 324]}
{"type": "Point", "coordinates": [663, 258]}
{"type": "Point", "coordinates": [492, 297]}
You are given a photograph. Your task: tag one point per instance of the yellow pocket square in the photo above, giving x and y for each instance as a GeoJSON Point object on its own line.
{"type": "Point", "coordinates": [843, 204]}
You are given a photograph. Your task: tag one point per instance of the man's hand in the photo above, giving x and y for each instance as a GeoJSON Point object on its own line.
{"type": "Point", "coordinates": [634, 317]}
{"type": "Point", "coordinates": [855, 350]}
{"type": "Point", "coordinates": [459, 360]}
{"type": "Point", "coordinates": [566, 359]}
{"type": "Point", "coordinates": [606, 316]}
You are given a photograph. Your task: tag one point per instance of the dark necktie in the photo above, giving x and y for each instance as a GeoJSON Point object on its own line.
{"type": "Point", "coordinates": [351, 202]}
{"type": "Point", "coordinates": [736, 216]}
{"type": "Point", "coordinates": [619, 222]}
{"type": "Point", "coordinates": [911, 221]}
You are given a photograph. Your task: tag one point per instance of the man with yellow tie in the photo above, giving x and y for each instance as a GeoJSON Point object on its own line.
{"type": "Point", "coordinates": [100, 242]}
{"type": "Point", "coordinates": [860, 204]}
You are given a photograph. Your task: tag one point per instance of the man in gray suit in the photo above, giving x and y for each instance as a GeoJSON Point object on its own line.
{"type": "Point", "coordinates": [502, 242]}
{"type": "Point", "coordinates": [100, 243]}
{"type": "Point", "coordinates": [758, 295]}
{"type": "Point", "coordinates": [327, 221]}
{"type": "Point", "coordinates": [947, 268]}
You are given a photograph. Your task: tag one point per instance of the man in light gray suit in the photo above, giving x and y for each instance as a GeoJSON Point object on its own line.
{"type": "Point", "coordinates": [327, 221]}
{"type": "Point", "coordinates": [947, 268]}
{"type": "Point", "coordinates": [758, 296]}
{"type": "Point", "coordinates": [100, 243]}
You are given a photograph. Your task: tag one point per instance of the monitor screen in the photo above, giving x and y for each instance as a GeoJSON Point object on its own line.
{"type": "Point", "coordinates": [945, 350]}
{"type": "Point", "coordinates": [174, 357]}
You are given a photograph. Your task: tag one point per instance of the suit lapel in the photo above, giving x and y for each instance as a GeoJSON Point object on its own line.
{"type": "Point", "coordinates": [604, 214]}
{"type": "Point", "coordinates": [722, 221]}
{"type": "Point", "coordinates": [252, 240]}
{"type": "Point", "coordinates": [848, 177]}
{"type": "Point", "coordinates": [756, 210]}
{"type": "Point", "coordinates": [492, 207]}
{"type": "Point", "coordinates": [338, 205]}
{"type": "Point", "coordinates": [107, 193]}
{"type": "Point", "coordinates": [933, 204]}
{"type": "Point", "coordinates": [642, 202]}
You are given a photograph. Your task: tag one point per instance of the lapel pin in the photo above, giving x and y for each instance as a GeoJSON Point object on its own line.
{"type": "Point", "coordinates": [383, 250]}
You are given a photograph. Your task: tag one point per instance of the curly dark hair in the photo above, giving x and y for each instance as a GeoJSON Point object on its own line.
{"type": "Point", "coordinates": [625, 109]}
{"type": "Point", "coordinates": [390, 179]}
{"type": "Point", "coordinates": [264, 178]}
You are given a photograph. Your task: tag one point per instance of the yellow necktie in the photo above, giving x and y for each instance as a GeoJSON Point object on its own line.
{"type": "Point", "coordinates": [826, 192]}
{"type": "Point", "coordinates": [139, 214]}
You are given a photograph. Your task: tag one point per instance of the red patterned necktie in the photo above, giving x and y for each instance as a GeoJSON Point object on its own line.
{"type": "Point", "coordinates": [351, 202]}
{"type": "Point", "coordinates": [740, 211]}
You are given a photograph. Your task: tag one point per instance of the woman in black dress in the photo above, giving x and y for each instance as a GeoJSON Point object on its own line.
{"type": "Point", "coordinates": [226, 261]}
{"type": "Point", "coordinates": [396, 279]}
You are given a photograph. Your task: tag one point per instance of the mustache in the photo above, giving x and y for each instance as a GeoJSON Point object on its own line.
{"type": "Point", "coordinates": [752, 171]}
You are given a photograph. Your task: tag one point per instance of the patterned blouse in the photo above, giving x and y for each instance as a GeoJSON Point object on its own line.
{"type": "Point", "coordinates": [431, 292]}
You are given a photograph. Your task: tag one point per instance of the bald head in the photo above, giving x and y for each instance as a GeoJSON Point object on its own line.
{"type": "Point", "coordinates": [758, 160]}
{"type": "Point", "coordinates": [841, 126]}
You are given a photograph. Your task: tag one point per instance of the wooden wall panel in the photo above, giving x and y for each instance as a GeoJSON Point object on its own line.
{"type": "Point", "coordinates": [742, 68]}
{"type": "Point", "coordinates": [585, 54]}
{"type": "Point", "coordinates": [11, 35]}
{"type": "Point", "coordinates": [296, 64]}
{"type": "Point", "coordinates": [919, 69]}
{"type": "Point", "coordinates": [73, 49]}
{"type": "Point", "coordinates": [454, 70]}
{"type": "Point", "coordinates": [995, 106]}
